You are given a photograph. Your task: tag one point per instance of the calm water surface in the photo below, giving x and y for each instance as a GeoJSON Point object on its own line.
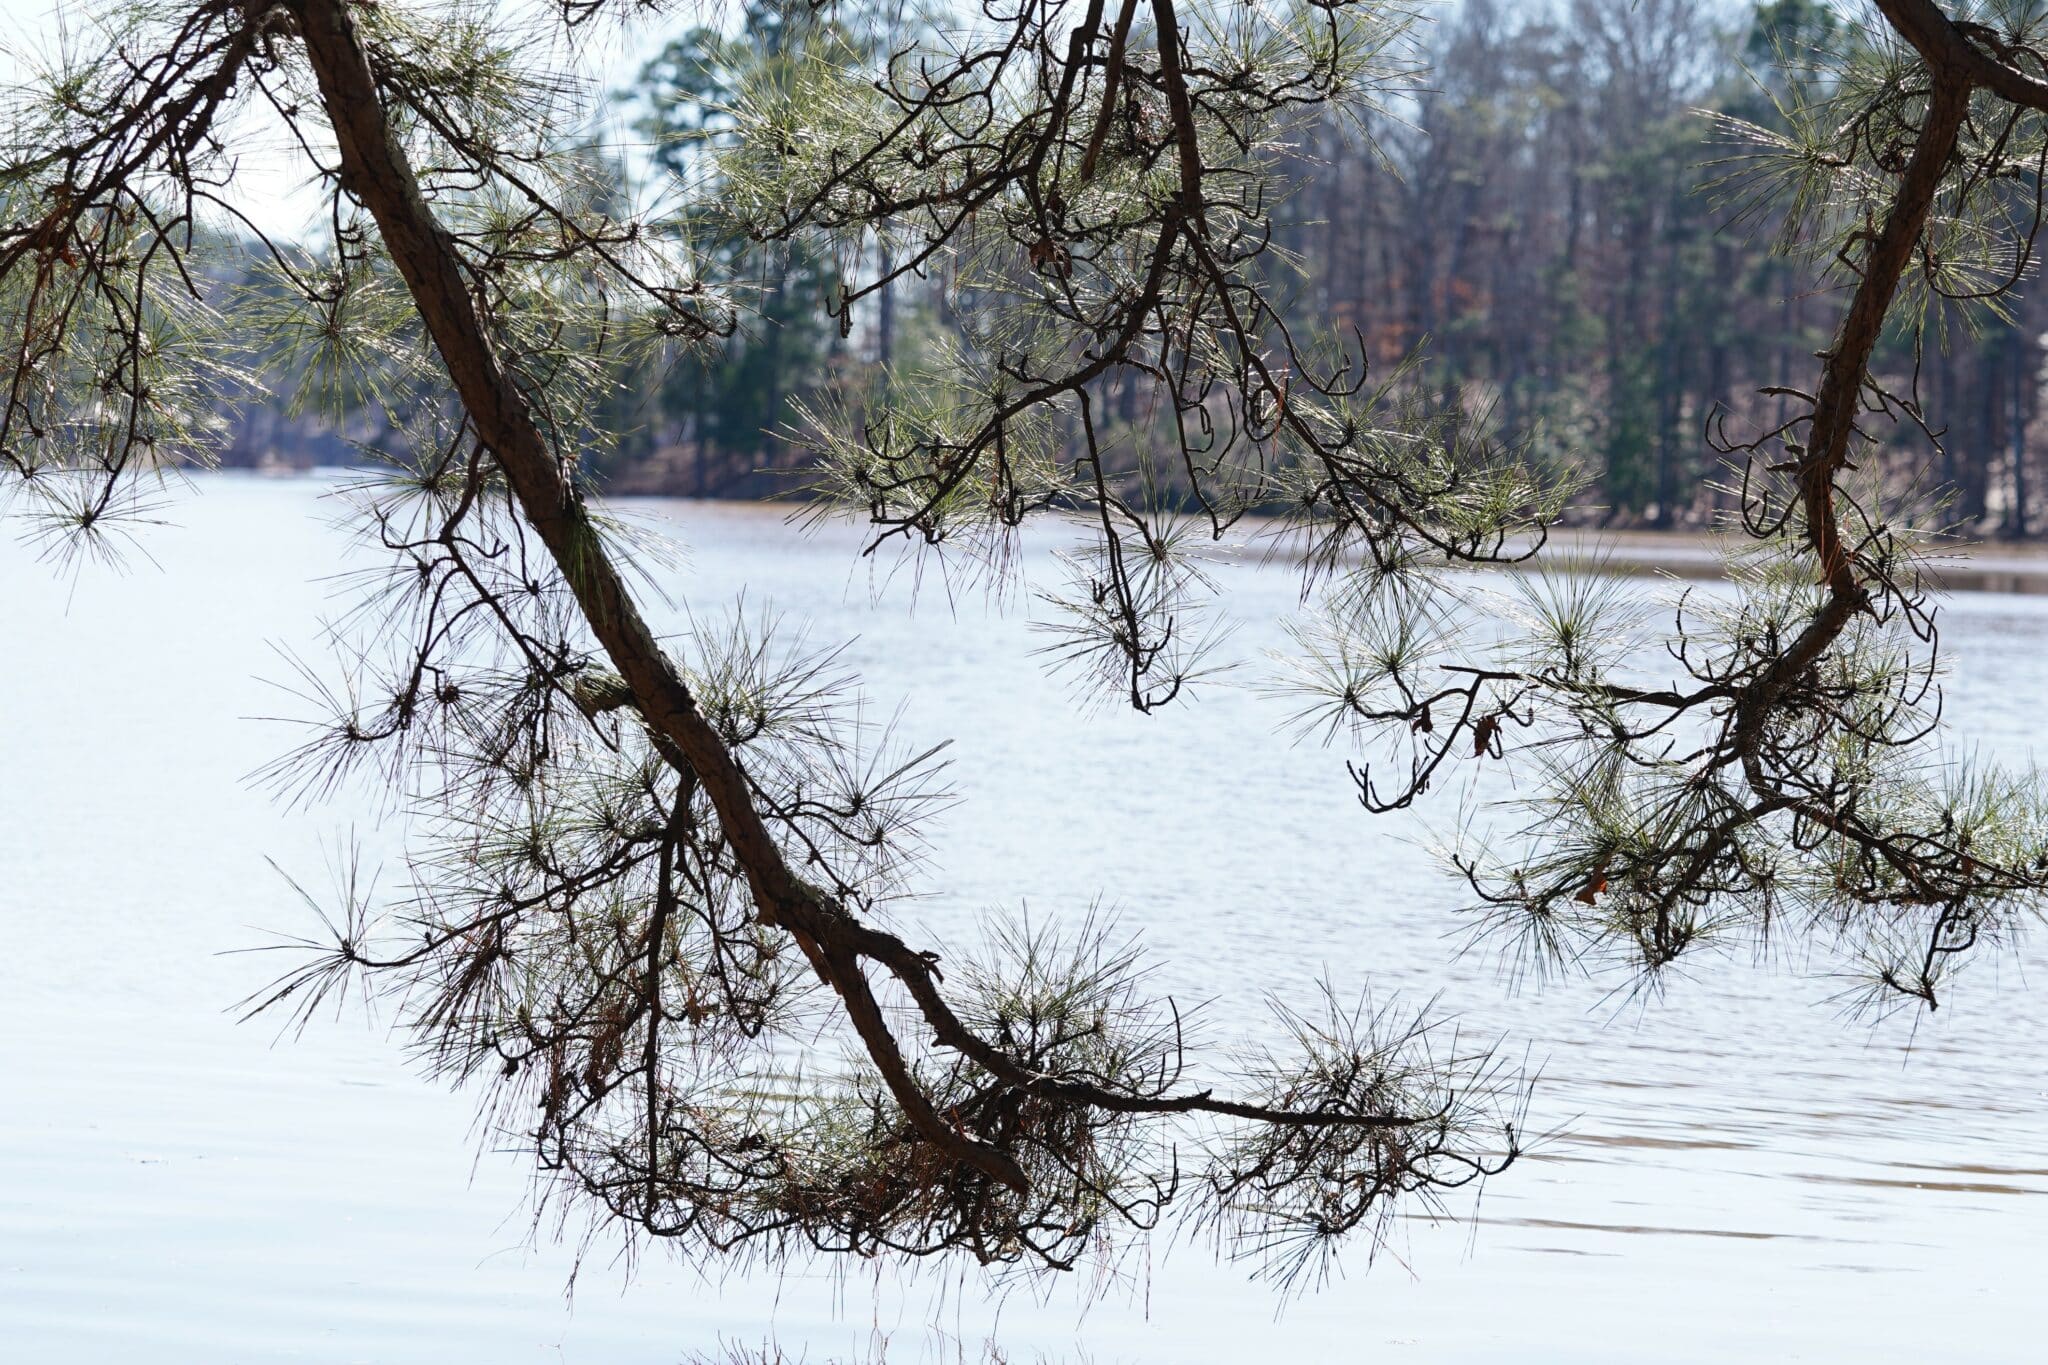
{"type": "Point", "coordinates": [1746, 1173]}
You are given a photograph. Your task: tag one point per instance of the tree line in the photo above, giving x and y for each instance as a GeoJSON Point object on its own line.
{"type": "Point", "coordinates": [1549, 236]}
{"type": "Point", "coordinates": [1563, 227]}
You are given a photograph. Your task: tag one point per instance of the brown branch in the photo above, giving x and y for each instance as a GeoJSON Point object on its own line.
{"type": "Point", "coordinates": [376, 171]}
{"type": "Point", "coordinates": [1842, 380]}
{"type": "Point", "coordinates": [1112, 86]}
{"type": "Point", "coordinates": [1173, 74]}
{"type": "Point", "coordinates": [1952, 56]}
{"type": "Point", "coordinates": [188, 120]}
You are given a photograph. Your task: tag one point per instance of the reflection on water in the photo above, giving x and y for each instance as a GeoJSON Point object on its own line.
{"type": "Point", "coordinates": [1739, 1170]}
{"type": "Point", "coordinates": [1950, 1186]}
{"type": "Point", "coordinates": [1654, 1230]}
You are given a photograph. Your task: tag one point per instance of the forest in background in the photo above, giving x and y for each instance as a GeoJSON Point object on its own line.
{"type": "Point", "coordinates": [1549, 241]}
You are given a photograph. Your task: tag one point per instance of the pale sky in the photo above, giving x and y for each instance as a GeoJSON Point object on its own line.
{"type": "Point", "coordinates": [270, 173]}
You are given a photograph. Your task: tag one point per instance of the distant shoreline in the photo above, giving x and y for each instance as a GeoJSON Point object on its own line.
{"type": "Point", "coordinates": [1683, 553]}
{"type": "Point", "coordinates": [1968, 566]}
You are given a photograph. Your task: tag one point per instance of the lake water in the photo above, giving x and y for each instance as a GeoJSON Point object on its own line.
{"type": "Point", "coordinates": [1745, 1173]}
